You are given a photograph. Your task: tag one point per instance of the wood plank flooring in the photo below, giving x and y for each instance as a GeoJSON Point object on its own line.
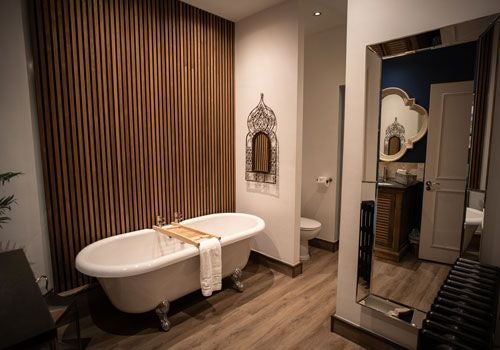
{"type": "Point", "coordinates": [411, 282]}
{"type": "Point", "coordinates": [274, 312]}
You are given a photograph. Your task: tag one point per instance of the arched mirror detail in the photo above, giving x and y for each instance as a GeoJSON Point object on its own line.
{"type": "Point", "coordinates": [261, 145]}
{"type": "Point", "coordinates": [394, 138]}
{"type": "Point", "coordinates": [261, 153]}
{"type": "Point", "coordinates": [403, 121]}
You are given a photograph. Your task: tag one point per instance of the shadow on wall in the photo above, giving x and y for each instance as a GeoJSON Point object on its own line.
{"type": "Point", "coordinates": [266, 240]}
{"type": "Point", "coordinates": [316, 200]}
{"type": "Point", "coordinates": [7, 246]}
{"type": "Point", "coordinates": [264, 188]}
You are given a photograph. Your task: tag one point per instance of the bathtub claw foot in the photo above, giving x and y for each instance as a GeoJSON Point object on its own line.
{"type": "Point", "coordinates": [236, 278]}
{"type": "Point", "coordinates": [165, 325]}
{"type": "Point", "coordinates": [161, 312]}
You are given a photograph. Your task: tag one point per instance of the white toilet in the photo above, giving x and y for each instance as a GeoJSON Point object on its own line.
{"type": "Point", "coordinates": [309, 229]}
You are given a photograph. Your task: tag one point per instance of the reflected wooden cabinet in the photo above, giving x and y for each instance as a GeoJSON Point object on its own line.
{"type": "Point", "coordinates": [395, 218]}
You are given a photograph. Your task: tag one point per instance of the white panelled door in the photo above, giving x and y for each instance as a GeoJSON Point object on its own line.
{"type": "Point", "coordinates": [445, 171]}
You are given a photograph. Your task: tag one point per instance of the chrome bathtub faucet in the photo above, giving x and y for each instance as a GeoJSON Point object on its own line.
{"type": "Point", "coordinates": [178, 217]}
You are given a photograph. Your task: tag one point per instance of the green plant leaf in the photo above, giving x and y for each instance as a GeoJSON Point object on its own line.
{"type": "Point", "coordinates": [6, 202]}
{"type": "Point", "coordinates": [5, 177]}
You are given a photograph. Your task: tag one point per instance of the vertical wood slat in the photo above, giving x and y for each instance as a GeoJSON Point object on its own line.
{"type": "Point", "coordinates": [135, 100]}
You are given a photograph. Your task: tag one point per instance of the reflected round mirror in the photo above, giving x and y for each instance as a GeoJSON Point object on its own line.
{"type": "Point", "coordinates": [402, 123]}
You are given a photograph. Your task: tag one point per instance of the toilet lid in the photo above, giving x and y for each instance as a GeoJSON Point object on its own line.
{"type": "Point", "coordinates": [309, 224]}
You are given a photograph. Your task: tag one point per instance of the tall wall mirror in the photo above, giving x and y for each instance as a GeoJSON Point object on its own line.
{"type": "Point", "coordinates": [427, 132]}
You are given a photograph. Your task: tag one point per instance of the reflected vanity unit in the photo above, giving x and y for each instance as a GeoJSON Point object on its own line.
{"type": "Point", "coordinates": [396, 205]}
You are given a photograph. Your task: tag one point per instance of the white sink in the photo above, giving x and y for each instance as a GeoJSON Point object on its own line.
{"type": "Point", "coordinates": [473, 217]}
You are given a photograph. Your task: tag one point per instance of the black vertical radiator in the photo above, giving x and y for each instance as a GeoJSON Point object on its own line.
{"type": "Point", "coordinates": [366, 241]}
{"type": "Point", "coordinates": [463, 314]}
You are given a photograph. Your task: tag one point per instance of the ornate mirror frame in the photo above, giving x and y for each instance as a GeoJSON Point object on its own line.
{"type": "Point", "coordinates": [394, 130]}
{"type": "Point", "coordinates": [409, 141]}
{"type": "Point", "coordinates": [261, 120]}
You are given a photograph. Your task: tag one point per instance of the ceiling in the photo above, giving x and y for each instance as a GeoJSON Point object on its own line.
{"type": "Point", "coordinates": [333, 12]}
{"type": "Point", "coordinates": [233, 10]}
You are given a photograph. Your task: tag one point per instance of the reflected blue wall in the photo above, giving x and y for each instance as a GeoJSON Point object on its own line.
{"type": "Point", "coordinates": [415, 73]}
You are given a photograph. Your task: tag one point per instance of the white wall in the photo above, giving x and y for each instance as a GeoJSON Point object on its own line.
{"type": "Point", "coordinates": [19, 144]}
{"type": "Point", "coordinates": [371, 22]}
{"type": "Point", "coordinates": [324, 72]}
{"type": "Point", "coordinates": [268, 59]}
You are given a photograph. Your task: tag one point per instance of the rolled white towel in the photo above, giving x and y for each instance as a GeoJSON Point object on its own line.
{"type": "Point", "coordinates": [210, 266]}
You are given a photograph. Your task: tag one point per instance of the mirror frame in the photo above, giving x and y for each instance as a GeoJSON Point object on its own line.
{"type": "Point", "coordinates": [261, 120]}
{"type": "Point", "coordinates": [409, 141]}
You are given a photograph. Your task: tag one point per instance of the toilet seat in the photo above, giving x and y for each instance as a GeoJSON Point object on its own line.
{"type": "Point", "coordinates": [307, 224]}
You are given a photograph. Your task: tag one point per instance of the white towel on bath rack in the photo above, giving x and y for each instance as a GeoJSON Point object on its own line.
{"type": "Point", "coordinates": [210, 266]}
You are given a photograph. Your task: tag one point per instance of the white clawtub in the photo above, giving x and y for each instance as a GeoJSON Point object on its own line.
{"type": "Point", "coordinates": [145, 270]}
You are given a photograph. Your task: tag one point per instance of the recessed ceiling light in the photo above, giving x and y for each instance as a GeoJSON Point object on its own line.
{"type": "Point", "coordinates": [317, 13]}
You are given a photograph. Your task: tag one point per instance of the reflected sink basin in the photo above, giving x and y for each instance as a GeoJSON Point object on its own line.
{"type": "Point", "coordinates": [387, 184]}
{"type": "Point", "coordinates": [390, 184]}
{"type": "Point", "coordinates": [473, 217]}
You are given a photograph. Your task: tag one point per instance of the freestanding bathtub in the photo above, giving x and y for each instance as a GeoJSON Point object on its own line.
{"type": "Point", "coordinates": [145, 270]}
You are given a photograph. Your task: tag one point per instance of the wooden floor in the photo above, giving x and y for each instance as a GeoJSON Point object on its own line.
{"type": "Point", "coordinates": [274, 312]}
{"type": "Point", "coordinates": [411, 282]}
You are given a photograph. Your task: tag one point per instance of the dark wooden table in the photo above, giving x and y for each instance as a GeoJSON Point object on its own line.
{"type": "Point", "coordinates": [25, 321]}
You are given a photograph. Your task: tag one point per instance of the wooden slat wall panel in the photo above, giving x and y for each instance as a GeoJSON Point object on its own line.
{"type": "Point", "coordinates": [135, 100]}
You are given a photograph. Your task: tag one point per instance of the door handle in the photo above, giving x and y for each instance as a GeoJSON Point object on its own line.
{"type": "Point", "coordinates": [430, 184]}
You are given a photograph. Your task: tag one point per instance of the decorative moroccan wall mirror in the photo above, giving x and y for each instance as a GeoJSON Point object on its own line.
{"type": "Point", "coordinates": [402, 123]}
{"type": "Point", "coordinates": [261, 145]}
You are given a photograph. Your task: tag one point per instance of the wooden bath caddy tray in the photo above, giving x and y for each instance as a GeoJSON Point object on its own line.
{"type": "Point", "coordinates": [185, 234]}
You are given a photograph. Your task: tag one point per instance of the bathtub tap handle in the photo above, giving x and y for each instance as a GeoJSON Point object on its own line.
{"type": "Point", "coordinates": [160, 221]}
{"type": "Point", "coordinates": [178, 217]}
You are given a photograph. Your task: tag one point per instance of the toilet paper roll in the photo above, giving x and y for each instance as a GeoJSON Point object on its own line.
{"type": "Point", "coordinates": [324, 180]}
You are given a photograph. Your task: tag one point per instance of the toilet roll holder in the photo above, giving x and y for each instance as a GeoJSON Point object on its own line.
{"type": "Point", "coordinates": [324, 180]}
